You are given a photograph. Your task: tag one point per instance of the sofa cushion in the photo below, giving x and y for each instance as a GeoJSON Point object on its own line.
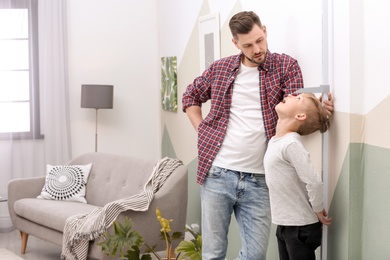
{"type": "Point", "coordinates": [114, 177]}
{"type": "Point", "coordinates": [66, 182]}
{"type": "Point", "coordinates": [50, 213]}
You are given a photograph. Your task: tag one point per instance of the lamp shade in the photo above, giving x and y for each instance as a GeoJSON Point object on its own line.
{"type": "Point", "coordinates": [97, 96]}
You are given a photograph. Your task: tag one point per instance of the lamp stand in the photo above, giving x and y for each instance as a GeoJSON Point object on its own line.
{"type": "Point", "coordinates": [96, 133]}
{"type": "Point", "coordinates": [97, 97]}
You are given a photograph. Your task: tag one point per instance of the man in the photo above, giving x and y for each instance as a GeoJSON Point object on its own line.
{"type": "Point", "coordinates": [244, 90]}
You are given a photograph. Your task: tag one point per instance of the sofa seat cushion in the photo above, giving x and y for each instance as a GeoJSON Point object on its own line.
{"type": "Point", "coordinates": [50, 213]}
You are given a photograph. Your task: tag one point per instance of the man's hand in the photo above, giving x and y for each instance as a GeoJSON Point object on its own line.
{"type": "Point", "coordinates": [194, 113]}
{"type": "Point", "coordinates": [323, 217]}
{"type": "Point", "coordinates": [328, 105]}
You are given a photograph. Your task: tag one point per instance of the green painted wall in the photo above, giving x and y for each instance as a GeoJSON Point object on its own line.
{"type": "Point", "coordinates": [193, 208]}
{"type": "Point", "coordinates": [360, 206]}
{"type": "Point", "coordinates": [376, 212]}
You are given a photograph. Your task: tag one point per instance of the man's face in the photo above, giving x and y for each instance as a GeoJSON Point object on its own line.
{"type": "Point", "coordinates": [253, 45]}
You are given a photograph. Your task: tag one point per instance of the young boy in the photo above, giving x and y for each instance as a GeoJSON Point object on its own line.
{"type": "Point", "coordinates": [295, 187]}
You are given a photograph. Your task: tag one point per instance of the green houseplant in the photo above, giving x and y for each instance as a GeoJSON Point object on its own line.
{"type": "Point", "coordinates": [127, 243]}
{"type": "Point", "coordinates": [191, 249]}
{"type": "Point", "coordinates": [124, 241]}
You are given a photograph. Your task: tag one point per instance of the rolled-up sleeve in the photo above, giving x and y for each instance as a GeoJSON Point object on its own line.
{"type": "Point", "coordinates": [198, 92]}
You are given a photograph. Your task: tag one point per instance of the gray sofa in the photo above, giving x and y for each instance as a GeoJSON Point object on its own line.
{"type": "Point", "coordinates": [112, 177]}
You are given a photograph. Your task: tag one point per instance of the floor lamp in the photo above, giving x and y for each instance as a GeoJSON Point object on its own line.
{"type": "Point", "coordinates": [97, 97]}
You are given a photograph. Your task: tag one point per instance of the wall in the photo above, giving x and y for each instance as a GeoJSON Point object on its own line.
{"type": "Point", "coordinates": [115, 42]}
{"type": "Point", "coordinates": [360, 79]}
{"type": "Point", "coordinates": [358, 140]}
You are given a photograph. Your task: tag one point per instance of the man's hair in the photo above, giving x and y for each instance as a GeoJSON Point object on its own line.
{"type": "Point", "coordinates": [316, 117]}
{"type": "Point", "coordinates": [243, 22]}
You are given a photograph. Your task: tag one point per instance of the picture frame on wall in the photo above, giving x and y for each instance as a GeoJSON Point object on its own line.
{"type": "Point", "coordinates": [209, 40]}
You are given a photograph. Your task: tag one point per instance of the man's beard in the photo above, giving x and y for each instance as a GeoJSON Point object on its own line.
{"type": "Point", "coordinates": [253, 61]}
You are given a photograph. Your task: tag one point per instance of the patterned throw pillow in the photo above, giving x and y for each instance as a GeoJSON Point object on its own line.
{"type": "Point", "coordinates": [66, 182]}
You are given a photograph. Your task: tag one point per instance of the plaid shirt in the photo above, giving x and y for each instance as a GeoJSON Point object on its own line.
{"type": "Point", "coordinates": [280, 74]}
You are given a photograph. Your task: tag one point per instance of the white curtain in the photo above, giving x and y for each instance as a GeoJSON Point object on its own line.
{"type": "Point", "coordinates": [53, 71]}
{"type": "Point", "coordinates": [28, 158]}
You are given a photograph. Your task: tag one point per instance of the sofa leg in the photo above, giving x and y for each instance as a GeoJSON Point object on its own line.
{"type": "Point", "coordinates": [24, 242]}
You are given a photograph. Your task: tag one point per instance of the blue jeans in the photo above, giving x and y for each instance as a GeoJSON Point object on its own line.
{"type": "Point", "coordinates": [224, 192]}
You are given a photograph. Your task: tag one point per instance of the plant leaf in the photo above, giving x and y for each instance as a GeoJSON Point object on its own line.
{"type": "Point", "coordinates": [189, 250]}
{"type": "Point", "coordinates": [177, 235]}
{"type": "Point", "coordinates": [146, 257]}
{"type": "Point", "coordinates": [122, 239]}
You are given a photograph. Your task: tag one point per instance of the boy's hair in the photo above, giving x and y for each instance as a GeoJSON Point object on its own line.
{"type": "Point", "coordinates": [243, 22]}
{"type": "Point", "coordinates": [316, 117]}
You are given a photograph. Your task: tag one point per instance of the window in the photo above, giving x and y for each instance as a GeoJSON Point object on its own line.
{"type": "Point", "coordinates": [19, 84]}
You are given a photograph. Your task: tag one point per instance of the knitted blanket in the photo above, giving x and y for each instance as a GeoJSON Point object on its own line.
{"type": "Point", "coordinates": [80, 229]}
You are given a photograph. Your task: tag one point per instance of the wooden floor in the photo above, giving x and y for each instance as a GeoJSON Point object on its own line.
{"type": "Point", "coordinates": [37, 249]}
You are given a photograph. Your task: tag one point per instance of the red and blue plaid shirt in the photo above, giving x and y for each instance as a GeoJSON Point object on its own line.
{"type": "Point", "coordinates": [280, 74]}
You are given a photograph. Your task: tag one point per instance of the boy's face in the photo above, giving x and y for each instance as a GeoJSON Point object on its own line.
{"type": "Point", "coordinates": [253, 45]}
{"type": "Point", "coordinates": [293, 105]}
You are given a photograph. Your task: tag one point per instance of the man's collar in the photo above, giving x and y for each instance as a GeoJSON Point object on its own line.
{"type": "Point", "coordinates": [266, 65]}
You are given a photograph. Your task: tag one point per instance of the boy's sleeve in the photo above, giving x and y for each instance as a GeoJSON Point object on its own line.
{"type": "Point", "coordinates": [305, 169]}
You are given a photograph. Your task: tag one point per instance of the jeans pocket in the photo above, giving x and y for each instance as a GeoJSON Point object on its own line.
{"type": "Point", "coordinates": [260, 180]}
{"type": "Point", "coordinates": [311, 235]}
{"type": "Point", "coordinates": [214, 172]}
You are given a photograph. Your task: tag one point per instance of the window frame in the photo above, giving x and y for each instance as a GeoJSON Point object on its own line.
{"type": "Point", "coordinates": [35, 121]}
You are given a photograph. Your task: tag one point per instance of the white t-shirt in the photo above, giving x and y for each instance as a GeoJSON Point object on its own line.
{"type": "Point", "coordinates": [244, 145]}
{"type": "Point", "coordinates": [295, 187]}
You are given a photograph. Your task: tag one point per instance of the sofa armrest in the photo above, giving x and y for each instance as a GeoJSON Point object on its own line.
{"type": "Point", "coordinates": [171, 199]}
{"type": "Point", "coordinates": [23, 188]}
{"type": "Point", "coordinates": [173, 195]}
{"type": "Point", "coordinates": [26, 187]}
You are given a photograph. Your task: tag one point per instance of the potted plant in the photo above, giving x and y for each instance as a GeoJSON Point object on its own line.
{"type": "Point", "coordinates": [165, 234]}
{"type": "Point", "coordinates": [125, 240]}
{"type": "Point", "coordinates": [127, 243]}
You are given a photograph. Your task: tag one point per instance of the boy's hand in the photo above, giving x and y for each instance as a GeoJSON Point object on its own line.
{"type": "Point", "coordinates": [323, 217]}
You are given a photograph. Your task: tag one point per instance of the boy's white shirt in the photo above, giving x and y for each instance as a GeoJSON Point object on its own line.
{"type": "Point", "coordinates": [295, 187]}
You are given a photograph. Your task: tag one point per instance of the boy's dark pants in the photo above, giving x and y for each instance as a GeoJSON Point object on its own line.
{"type": "Point", "coordinates": [299, 242]}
